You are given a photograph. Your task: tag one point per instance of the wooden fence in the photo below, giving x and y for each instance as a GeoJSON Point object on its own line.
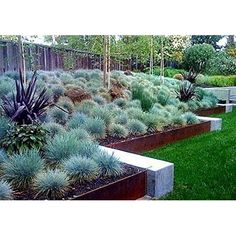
{"type": "Point", "coordinates": [51, 58]}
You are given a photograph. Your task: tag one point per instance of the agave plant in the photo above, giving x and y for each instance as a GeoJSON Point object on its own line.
{"type": "Point", "coordinates": [26, 105]}
{"type": "Point", "coordinates": [186, 92]}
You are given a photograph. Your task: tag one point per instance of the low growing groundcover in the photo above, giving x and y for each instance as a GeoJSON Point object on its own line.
{"type": "Point", "coordinates": [205, 165]}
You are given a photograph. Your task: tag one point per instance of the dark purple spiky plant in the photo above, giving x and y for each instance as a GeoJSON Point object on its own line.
{"type": "Point", "coordinates": [26, 106]}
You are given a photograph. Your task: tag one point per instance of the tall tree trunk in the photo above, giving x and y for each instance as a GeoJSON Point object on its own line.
{"type": "Point", "coordinates": [108, 62]}
{"type": "Point", "coordinates": [22, 57]}
{"type": "Point", "coordinates": [104, 60]}
{"type": "Point", "coordinates": [162, 61]}
{"type": "Point", "coordinates": [151, 55]}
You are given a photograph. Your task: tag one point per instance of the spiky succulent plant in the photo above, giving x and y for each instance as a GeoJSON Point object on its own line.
{"type": "Point", "coordinates": [26, 106]}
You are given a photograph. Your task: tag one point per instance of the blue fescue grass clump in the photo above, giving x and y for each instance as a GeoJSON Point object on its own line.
{"type": "Point", "coordinates": [51, 184]}
{"type": "Point", "coordinates": [54, 128]}
{"type": "Point", "coordinates": [99, 100]}
{"type": "Point", "coordinates": [96, 127]}
{"type": "Point", "coordinates": [109, 166]}
{"type": "Point", "coordinates": [81, 169]}
{"type": "Point", "coordinates": [190, 118]}
{"type": "Point", "coordinates": [6, 191]}
{"type": "Point", "coordinates": [102, 113]}
{"type": "Point", "coordinates": [79, 134]}
{"type": "Point", "coordinates": [122, 119]}
{"type": "Point", "coordinates": [118, 131]}
{"type": "Point", "coordinates": [77, 120]}
{"type": "Point", "coordinates": [61, 148]}
{"type": "Point", "coordinates": [87, 148]}
{"type": "Point", "coordinates": [67, 104]}
{"type": "Point", "coordinates": [58, 116]}
{"type": "Point", "coordinates": [3, 156]}
{"type": "Point", "coordinates": [4, 127]}
{"type": "Point", "coordinates": [22, 168]}
{"type": "Point", "coordinates": [136, 127]}
{"type": "Point", "coordinates": [120, 102]}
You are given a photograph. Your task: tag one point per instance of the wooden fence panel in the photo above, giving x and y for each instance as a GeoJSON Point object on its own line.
{"type": "Point", "coordinates": [48, 58]}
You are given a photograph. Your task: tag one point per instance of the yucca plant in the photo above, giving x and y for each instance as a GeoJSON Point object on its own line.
{"type": "Point", "coordinates": [26, 106]}
{"type": "Point", "coordinates": [186, 92]}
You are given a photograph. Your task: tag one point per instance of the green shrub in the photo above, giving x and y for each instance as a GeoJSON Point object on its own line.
{"type": "Point", "coordinates": [136, 127]}
{"type": "Point", "coordinates": [58, 115]}
{"type": "Point", "coordinates": [118, 131]}
{"type": "Point", "coordinates": [96, 127]}
{"type": "Point", "coordinates": [108, 165]}
{"type": "Point", "coordinates": [77, 120]}
{"type": "Point", "coordinates": [51, 184]}
{"type": "Point", "coordinates": [81, 169]}
{"type": "Point", "coordinates": [168, 71]}
{"type": "Point", "coordinates": [5, 125]}
{"type": "Point", "coordinates": [22, 137]}
{"type": "Point", "coordinates": [144, 95]}
{"type": "Point", "coordinates": [197, 56]}
{"type": "Point", "coordinates": [218, 80]}
{"type": "Point", "coordinates": [6, 191]}
{"type": "Point", "coordinates": [22, 168]}
{"type": "Point", "coordinates": [221, 64]}
{"type": "Point", "coordinates": [61, 147]}
{"type": "Point", "coordinates": [190, 118]}
{"type": "Point", "coordinates": [54, 128]}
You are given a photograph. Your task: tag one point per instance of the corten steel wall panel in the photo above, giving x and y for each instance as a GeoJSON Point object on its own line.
{"type": "Point", "coordinates": [152, 141]}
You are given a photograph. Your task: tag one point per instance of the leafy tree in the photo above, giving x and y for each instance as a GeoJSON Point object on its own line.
{"type": "Point", "coordinates": [208, 39]}
{"type": "Point", "coordinates": [196, 56]}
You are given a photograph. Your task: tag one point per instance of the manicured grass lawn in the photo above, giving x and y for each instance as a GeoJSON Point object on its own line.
{"type": "Point", "coordinates": [205, 165]}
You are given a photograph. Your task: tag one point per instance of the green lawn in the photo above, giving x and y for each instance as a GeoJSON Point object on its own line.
{"type": "Point", "coordinates": [205, 165]}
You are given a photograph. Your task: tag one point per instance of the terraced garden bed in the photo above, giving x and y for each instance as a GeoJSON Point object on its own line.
{"type": "Point", "coordinates": [210, 111]}
{"type": "Point", "coordinates": [155, 140]}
